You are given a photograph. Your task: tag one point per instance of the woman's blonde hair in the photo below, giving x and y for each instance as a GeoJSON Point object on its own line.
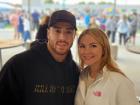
{"type": "Point", "coordinates": [102, 39]}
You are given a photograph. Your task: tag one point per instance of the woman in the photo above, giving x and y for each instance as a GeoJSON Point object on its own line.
{"type": "Point", "coordinates": [123, 29]}
{"type": "Point", "coordinates": [101, 82]}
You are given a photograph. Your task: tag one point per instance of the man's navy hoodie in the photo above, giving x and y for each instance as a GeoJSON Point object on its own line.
{"type": "Point", "coordinates": [35, 78]}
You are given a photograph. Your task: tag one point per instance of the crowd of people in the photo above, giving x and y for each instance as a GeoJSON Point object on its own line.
{"type": "Point", "coordinates": [125, 26]}
{"type": "Point", "coordinates": [120, 25]}
{"type": "Point", "coordinates": [23, 23]}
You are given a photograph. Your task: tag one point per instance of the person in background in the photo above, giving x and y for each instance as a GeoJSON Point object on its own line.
{"type": "Point", "coordinates": [13, 18]}
{"type": "Point", "coordinates": [41, 35]}
{"type": "Point", "coordinates": [93, 23]}
{"type": "Point", "coordinates": [123, 27]}
{"type": "Point", "coordinates": [45, 74]}
{"type": "Point", "coordinates": [26, 23]}
{"type": "Point", "coordinates": [111, 27]}
{"type": "Point", "coordinates": [103, 20]}
{"type": "Point", "coordinates": [101, 81]}
{"type": "Point", "coordinates": [87, 18]}
{"type": "Point", "coordinates": [35, 20]}
{"type": "Point", "coordinates": [133, 27]}
{"type": "Point", "coordinates": [20, 23]}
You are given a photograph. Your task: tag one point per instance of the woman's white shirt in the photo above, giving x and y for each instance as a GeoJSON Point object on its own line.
{"type": "Point", "coordinates": [111, 88]}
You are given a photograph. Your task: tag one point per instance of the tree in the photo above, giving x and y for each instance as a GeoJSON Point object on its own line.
{"type": "Point", "coordinates": [48, 1]}
{"type": "Point", "coordinates": [102, 3]}
{"type": "Point", "coordinates": [82, 2]}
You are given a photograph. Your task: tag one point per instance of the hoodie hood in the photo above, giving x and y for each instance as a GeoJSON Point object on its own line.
{"type": "Point", "coordinates": [42, 50]}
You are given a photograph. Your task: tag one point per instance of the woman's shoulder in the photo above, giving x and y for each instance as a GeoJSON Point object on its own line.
{"type": "Point", "coordinates": [119, 78]}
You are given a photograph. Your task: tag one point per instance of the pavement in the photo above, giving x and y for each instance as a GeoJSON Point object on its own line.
{"type": "Point", "coordinates": [129, 64]}
{"type": "Point", "coordinates": [135, 48]}
{"type": "Point", "coordinates": [128, 61]}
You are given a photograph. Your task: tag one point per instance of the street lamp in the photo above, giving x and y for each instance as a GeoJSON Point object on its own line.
{"type": "Point", "coordinates": [29, 6]}
{"type": "Point", "coordinates": [29, 13]}
{"type": "Point", "coordinates": [114, 11]}
{"type": "Point", "coordinates": [63, 3]}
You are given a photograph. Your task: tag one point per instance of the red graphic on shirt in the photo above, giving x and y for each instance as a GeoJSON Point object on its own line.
{"type": "Point", "coordinates": [97, 93]}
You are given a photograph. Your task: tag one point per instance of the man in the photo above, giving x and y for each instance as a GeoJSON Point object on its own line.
{"type": "Point", "coordinates": [45, 74]}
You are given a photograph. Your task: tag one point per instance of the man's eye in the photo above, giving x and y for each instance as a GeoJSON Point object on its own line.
{"type": "Point", "coordinates": [69, 32]}
{"type": "Point", "coordinates": [58, 31]}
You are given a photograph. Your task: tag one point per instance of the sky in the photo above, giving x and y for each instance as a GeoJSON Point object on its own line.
{"type": "Point", "coordinates": [12, 1]}
{"type": "Point", "coordinates": [75, 1]}
{"type": "Point", "coordinates": [133, 2]}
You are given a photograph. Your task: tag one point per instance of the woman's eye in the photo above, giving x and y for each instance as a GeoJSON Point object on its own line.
{"type": "Point", "coordinates": [81, 46]}
{"type": "Point", "coordinates": [93, 45]}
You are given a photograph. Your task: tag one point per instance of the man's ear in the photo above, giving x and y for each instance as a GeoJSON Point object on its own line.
{"type": "Point", "coordinates": [48, 33]}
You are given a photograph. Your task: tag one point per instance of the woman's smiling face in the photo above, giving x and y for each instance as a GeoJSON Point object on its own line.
{"type": "Point", "coordinates": [90, 50]}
